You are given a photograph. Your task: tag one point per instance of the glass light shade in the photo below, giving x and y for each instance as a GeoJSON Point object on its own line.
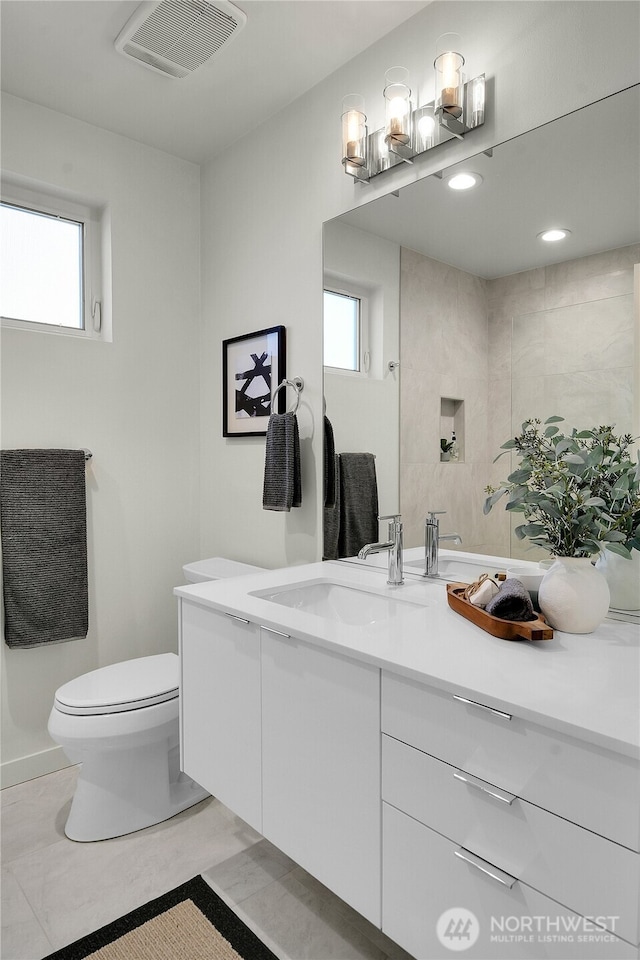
{"type": "Point", "coordinates": [426, 128]}
{"type": "Point", "coordinates": [354, 131]}
{"type": "Point", "coordinates": [477, 102]}
{"type": "Point", "coordinates": [397, 96]}
{"type": "Point", "coordinates": [449, 80]}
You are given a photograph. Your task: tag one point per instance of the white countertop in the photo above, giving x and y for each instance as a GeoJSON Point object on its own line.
{"type": "Point", "coordinates": [583, 685]}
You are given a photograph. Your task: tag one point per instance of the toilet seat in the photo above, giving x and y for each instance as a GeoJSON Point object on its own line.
{"type": "Point", "coordinates": [121, 687]}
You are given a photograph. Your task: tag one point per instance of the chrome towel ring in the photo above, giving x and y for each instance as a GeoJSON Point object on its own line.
{"type": "Point", "coordinates": [298, 385]}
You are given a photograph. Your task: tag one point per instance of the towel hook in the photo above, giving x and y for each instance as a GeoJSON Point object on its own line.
{"type": "Point", "coordinates": [298, 385]}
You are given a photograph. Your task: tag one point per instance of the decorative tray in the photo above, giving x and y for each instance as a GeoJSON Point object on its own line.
{"type": "Point", "coordinates": [504, 629]}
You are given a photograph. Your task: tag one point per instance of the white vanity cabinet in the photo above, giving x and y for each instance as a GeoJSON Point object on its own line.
{"type": "Point", "coordinates": [509, 820]}
{"type": "Point", "coordinates": [321, 766]}
{"type": "Point", "coordinates": [221, 723]}
{"type": "Point", "coordinates": [360, 751]}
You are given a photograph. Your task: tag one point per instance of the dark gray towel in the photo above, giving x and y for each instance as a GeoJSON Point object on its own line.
{"type": "Point", "coordinates": [282, 487]}
{"type": "Point", "coordinates": [358, 502]}
{"type": "Point", "coordinates": [511, 602]}
{"type": "Point", "coordinates": [330, 474]}
{"type": "Point", "coordinates": [44, 545]}
{"type": "Point", "coordinates": [332, 519]}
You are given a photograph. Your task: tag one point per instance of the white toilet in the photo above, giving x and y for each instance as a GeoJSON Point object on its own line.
{"type": "Point", "coordinates": [121, 723]}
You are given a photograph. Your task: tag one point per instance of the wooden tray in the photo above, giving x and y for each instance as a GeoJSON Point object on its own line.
{"type": "Point", "coordinates": [504, 629]}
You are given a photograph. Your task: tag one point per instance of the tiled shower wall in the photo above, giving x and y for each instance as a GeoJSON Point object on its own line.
{"type": "Point", "coordinates": [554, 340]}
{"type": "Point", "coordinates": [571, 329]}
{"type": "Point", "coordinates": [444, 350]}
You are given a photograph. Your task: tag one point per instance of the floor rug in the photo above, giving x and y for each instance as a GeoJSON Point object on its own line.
{"type": "Point", "coordinates": [188, 923]}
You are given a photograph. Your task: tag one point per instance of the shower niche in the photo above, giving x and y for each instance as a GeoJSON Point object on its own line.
{"type": "Point", "coordinates": [451, 430]}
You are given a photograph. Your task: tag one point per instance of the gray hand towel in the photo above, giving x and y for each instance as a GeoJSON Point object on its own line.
{"type": "Point", "coordinates": [511, 602]}
{"type": "Point", "coordinates": [282, 487]}
{"type": "Point", "coordinates": [44, 545]}
{"type": "Point", "coordinates": [332, 519]}
{"type": "Point", "coordinates": [358, 502]}
{"type": "Point", "coordinates": [330, 475]}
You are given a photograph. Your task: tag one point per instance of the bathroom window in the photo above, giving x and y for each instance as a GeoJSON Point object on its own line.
{"type": "Point", "coordinates": [50, 250]}
{"type": "Point", "coordinates": [346, 330]}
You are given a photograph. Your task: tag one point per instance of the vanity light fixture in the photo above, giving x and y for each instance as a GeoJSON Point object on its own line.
{"type": "Point", "coordinates": [552, 236]}
{"type": "Point", "coordinates": [409, 130]}
{"type": "Point", "coordinates": [464, 181]}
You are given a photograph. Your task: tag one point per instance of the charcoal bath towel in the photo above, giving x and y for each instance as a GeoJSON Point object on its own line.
{"type": "Point", "coordinates": [282, 487]}
{"type": "Point", "coordinates": [44, 545]}
{"type": "Point", "coordinates": [511, 602]}
{"type": "Point", "coordinates": [358, 502]}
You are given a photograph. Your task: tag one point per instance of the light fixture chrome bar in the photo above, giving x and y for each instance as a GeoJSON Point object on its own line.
{"type": "Point", "coordinates": [430, 128]}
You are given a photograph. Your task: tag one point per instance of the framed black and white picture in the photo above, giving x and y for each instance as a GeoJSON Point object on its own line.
{"type": "Point", "coordinates": [252, 367]}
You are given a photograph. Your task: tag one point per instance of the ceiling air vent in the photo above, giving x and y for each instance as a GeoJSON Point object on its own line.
{"type": "Point", "coordinates": [175, 37]}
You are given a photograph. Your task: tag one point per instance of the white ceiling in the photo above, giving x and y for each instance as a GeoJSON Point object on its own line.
{"type": "Point", "coordinates": [60, 53]}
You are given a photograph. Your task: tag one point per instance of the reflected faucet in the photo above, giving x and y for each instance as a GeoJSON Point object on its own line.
{"type": "Point", "coordinates": [393, 545]}
{"type": "Point", "coordinates": [432, 538]}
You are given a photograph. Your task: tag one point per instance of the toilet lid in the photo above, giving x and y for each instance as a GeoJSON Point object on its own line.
{"type": "Point", "coordinates": [122, 686]}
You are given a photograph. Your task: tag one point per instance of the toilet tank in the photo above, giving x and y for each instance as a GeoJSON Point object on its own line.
{"type": "Point", "coordinates": [217, 568]}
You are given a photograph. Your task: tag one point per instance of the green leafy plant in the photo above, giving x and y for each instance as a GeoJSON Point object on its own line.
{"type": "Point", "coordinates": [578, 493]}
{"type": "Point", "coordinates": [446, 445]}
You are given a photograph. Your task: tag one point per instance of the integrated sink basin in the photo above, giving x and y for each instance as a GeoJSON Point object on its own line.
{"type": "Point", "coordinates": [340, 602]}
{"type": "Point", "coordinates": [450, 568]}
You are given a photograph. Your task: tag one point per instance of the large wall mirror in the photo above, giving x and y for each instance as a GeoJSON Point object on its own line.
{"type": "Point", "coordinates": [472, 323]}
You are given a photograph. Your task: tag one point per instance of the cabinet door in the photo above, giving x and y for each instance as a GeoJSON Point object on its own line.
{"type": "Point", "coordinates": [321, 766]}
{"type": "Point", "coordinates": [220, 708]}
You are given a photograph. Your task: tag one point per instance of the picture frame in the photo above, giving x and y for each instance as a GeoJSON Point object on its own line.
{"type": "Point", "coordinates": [252, 367]}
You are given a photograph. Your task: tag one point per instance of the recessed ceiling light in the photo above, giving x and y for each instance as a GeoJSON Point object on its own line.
{"type": "Point", "coordinates": [550, 236]}
{"type": "Point", "coordinates": [464, 181]}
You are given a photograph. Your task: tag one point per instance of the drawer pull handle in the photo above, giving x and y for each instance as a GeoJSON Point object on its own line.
{"type": "Point", "coordinates": [278, 633]}
{"type": "Point", "coordinates": [239, 619]}
{"type": "Point", "coordinates": [485, 787]}
{"type": "Point", "coordinates": [504, 878]}
{"type": "Point", "coordinates": [482, 706]}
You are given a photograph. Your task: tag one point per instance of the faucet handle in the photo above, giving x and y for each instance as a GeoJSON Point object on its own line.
{"type": "Point", "coordinates": [433, 514]}
{"type": "Point", "coordinates": [395, 524]}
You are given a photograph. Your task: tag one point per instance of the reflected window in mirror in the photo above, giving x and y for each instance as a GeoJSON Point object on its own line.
{"type": "Point", "coordinates": [346, 333]}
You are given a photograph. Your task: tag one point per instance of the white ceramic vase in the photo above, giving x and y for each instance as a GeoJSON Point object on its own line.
{"type": "Point", "coordinates": [573, 595]}
{"type": "Point", "coordinates": [623, 577]}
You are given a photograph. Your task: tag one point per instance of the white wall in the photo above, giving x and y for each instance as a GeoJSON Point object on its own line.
{"type": "Point", "coordinates": [134, 402]}
{"type": "Point", "coordinates": [264, 201]}
{"type": "Point", "coordinates": [364, 411]}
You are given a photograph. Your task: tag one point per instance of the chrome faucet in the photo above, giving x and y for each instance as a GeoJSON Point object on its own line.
{"type": "Point", "coordinates": [393, 545]}
{"type": "Point", "coordinates": [432, 538]}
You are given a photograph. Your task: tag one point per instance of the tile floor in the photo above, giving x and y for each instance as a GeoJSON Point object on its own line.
{"type": "Point", "coordinates": [55, 891]}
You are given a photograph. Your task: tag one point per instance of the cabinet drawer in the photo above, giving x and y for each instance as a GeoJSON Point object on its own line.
{"type": "Point", "coordinates": [593, 787]}
{"type": "Point", "coordinates": [574, 866]}
{"type": "Point", "coordinates": [424, 878]}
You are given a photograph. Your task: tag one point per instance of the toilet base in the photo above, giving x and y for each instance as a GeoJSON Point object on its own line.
{"type": "Point", "coordinates": [123, 791]}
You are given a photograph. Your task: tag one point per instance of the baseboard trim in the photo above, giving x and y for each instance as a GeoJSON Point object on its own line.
{"type": "Point", "coordinates": [32, 766]}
